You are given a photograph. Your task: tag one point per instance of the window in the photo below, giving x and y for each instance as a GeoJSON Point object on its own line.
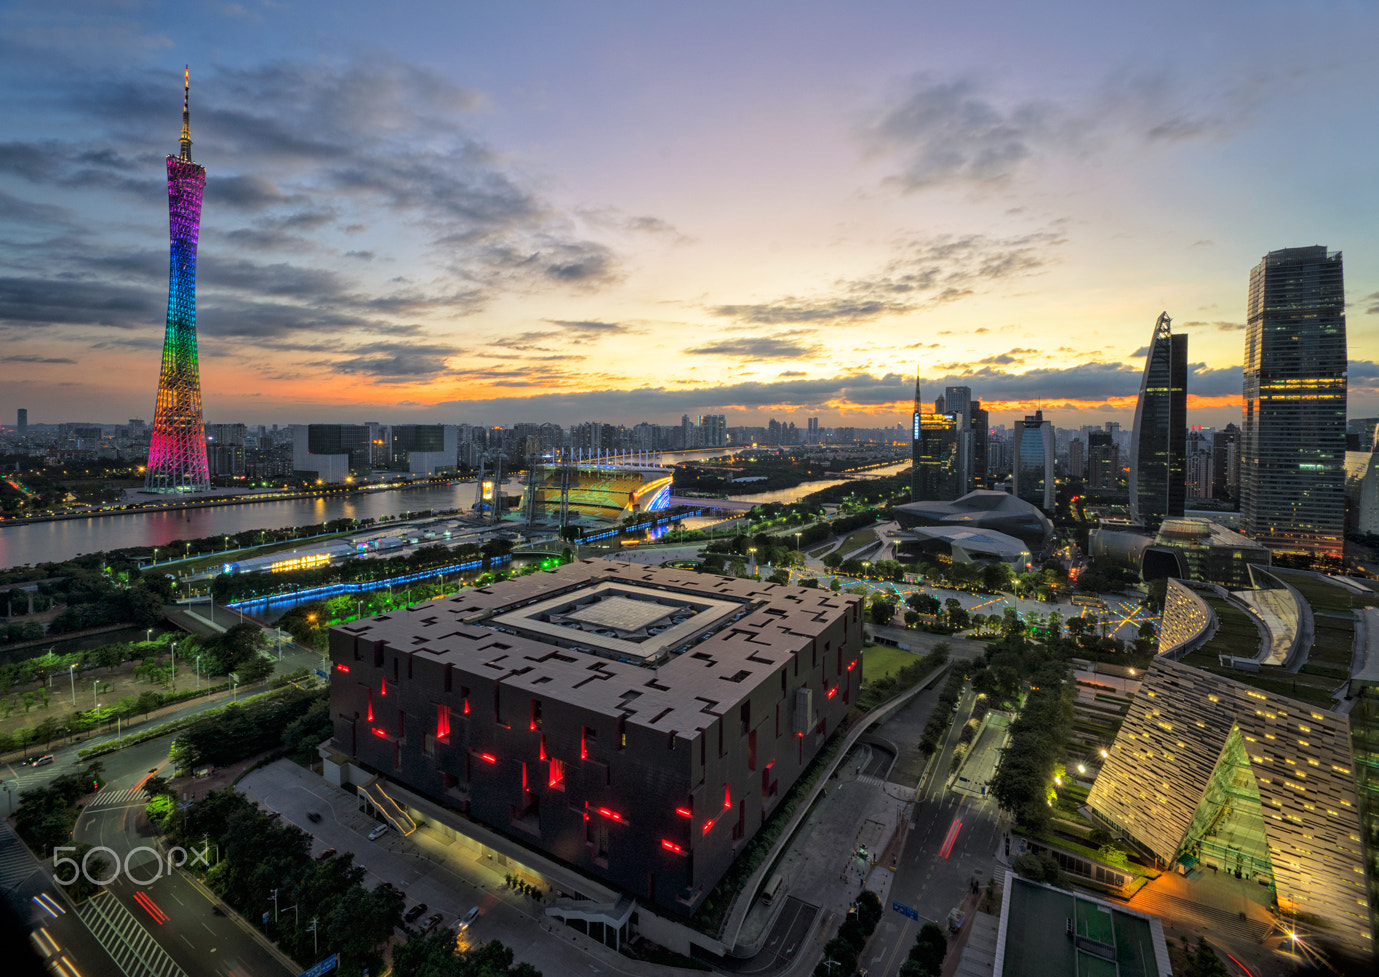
{"type": "Point", "coordinates": [443, 723]}
{"type": "Point", "coordinates": [556, 780]}
{"type": "Point", "coordinates": [535, 714]}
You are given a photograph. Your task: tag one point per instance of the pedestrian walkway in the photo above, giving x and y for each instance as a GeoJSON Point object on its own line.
{"type": "Point", "coordinates": [108, 799]}
{"type": "Point", "coordinates": [135, 952]}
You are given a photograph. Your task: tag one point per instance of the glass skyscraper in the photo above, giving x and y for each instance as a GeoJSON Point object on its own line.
{"type": "Point", "coordinates": [1292, 450]}
{"type": "Point", "coordinates": [1158, 443]}
{"type": "Point", "coordinates": [1034, 454]}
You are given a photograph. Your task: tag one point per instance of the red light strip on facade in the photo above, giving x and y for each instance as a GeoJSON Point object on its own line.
{"type": "Point", "coordinates": [610, 814]}
{"type": "Point", "coordinates": [671, 846]}
{"type": "Point", "coordinates": [684, 812]}
{"type": "Point", "coordinates": [852, 664]}
{"type": "Point", "coordinates": [727, 797]}
{"type": "Point", "coordinates": [341, 668]}
{"type": "Point", "coordinates": [488, 757]}
{"type": "Point", "coordinates": [708, 824]}
{"type": "Point", "coordinates": [379, 732]}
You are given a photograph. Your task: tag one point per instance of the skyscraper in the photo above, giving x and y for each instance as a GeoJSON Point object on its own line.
{"type": "Point", "coordinates": [177, 453]}
{"type": "Point", "coordinates": [1033, 450]}
{"type": "Point", "coordinates": [1292, 451]}
{"type": "Point", "coordinates": [23, 418]}
{"type": "Point", "coordinates": [916, 445]}
{"type": "Point", "coordinates": [1158, 442]}
{"type": "Point", "coordinates": [958, 401]}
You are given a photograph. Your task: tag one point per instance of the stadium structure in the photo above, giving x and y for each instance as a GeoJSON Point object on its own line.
{"type": "Point", "coordinates": [604, 487]}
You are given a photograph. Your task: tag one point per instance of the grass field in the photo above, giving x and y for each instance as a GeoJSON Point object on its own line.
{"type": "Point", "coordinates": [879, 661]}
{"type": "Point", "coordinates": [863, 537]}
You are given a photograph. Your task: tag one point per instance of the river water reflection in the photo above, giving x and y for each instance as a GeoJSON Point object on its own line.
{"type": "Point", "coordinates": [66, 538]}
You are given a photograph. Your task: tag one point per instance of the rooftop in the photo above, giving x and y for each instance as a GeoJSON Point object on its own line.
{"type": "Point", "coordinates": [670, 649]}
{"type": "Point", "coordinates": [1047, 932]}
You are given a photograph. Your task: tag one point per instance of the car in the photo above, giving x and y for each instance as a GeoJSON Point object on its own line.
{"type": "Point", "coordinates": [40, 760]}
{"type": "Point", "coordinates": [431, 922]}
{"type": "Point", "coordinates": [414, 913]}
{"type": "Point", "coordinates": [467, 919]}
{"type": "Point", "coordinates": [378, 832]}
{"type": "Point", "coordinates": [313, 817]}
{"type": "Point", "coordinates": [274, 815]}
{"type": "Point", "coordinates": [326, 853]}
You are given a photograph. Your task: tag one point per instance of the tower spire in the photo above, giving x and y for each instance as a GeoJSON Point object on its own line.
{"type": "Point", "coordinates": [186, 113]}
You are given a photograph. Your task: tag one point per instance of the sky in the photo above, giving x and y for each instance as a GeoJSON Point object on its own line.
{"type": "Point", "coordinates": [492, 213]}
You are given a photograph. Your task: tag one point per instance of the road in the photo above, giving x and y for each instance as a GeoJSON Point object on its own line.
{"type": "Point", "coordinates": [951, 838]}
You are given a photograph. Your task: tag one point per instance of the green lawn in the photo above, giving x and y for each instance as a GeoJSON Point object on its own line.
{"type": "Point", "coordinates": [879, 661]}
{"type": "Point", "coordinates": [857, 540]}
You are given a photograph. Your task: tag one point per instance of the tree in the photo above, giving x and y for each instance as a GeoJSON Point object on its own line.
{"type": "Point", "coordinates": [931, 946]}
{"type": "Point", "coordinates": [882, 610]}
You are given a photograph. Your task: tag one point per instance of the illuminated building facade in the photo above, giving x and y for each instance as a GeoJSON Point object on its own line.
{"type": "Point", "coordinates": [1158, 445]}
{"type": "Point", "coordinates": [939, 474]}
{"type": "Point", "coordinates": [595, 491]}
{"type": "Point", "coordinates": [177, 452]}
{"type": "Point", "coordinates": [1210, 771]}
{"type": "Point", "coordinates": [636, 723]}
{"type": "Point", "coordinates": [1292, 450]}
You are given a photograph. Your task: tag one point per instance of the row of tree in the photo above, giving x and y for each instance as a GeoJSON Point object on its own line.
{"type": "Point", "coordinates": [841, 952]}
{"type": "Point", "coordinates": [294, 718]}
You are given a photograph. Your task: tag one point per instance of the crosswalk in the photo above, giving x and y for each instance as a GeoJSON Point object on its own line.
{"type": "Point", "coordinates": [16, 862]}
{"type": "Point", "coordinates": [135, 952]}
{"type": "Point", "coordinates": [106, 799]}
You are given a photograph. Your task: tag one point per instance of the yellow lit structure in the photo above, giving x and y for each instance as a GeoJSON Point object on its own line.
{"type": "Point", "coordinates": [305, 562]}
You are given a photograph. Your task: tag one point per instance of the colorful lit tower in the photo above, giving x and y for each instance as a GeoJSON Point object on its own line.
{"type": "Point", "coordinates": [177, 453]}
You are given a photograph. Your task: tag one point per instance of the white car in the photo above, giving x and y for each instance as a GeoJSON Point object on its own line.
{"type": "Point", "coordinates": [378, 832]}
{"type": "Point", "coordinates": [467, 919]}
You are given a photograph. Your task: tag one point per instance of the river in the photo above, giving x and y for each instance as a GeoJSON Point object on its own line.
{"type": "Point", "coordinates": [65, 538]}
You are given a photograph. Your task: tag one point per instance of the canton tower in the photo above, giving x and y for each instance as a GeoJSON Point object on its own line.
{"type": "Point", "coordinates": [177, 452]}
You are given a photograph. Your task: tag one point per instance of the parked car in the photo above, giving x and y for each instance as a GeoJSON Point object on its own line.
{"type": "Point", "coordinates": [431, 922]}
{"type": "Point", "coordinates": [274, 815]}
{"type": "Point", "coordinates": [378, 832]}
{"type": "Point", "coordinates": [414, 913]}
{"type": "Point", "coordinates": [326, 853]}
{"type": "Point", "coordinates": [468, 919]}
{"type": "Point", "coordinates": [313, 817]}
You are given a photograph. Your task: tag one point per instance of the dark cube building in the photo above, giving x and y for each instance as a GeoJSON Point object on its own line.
{"type": "Point", "coordinates": [637, 723]}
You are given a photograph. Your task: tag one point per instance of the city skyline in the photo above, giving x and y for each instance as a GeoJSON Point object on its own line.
{"type": "Point", "coordinates": [634, 215]}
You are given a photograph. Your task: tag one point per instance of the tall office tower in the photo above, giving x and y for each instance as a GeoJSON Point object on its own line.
{"type": "Point", "coordinates": [1158, 442]}
{"type": "Point", "coordinates": [981, 436]}
{"type": "Point", "coordinates": [686, 432]}
{"type": "Point", "coordinates": [1033, 450]}
{"type": "Point", "coordinates": [813, 431]}
{"type": "Point", "coordinates": [1103, 463]}
{"type": "Point", "coordinates": [939, 478]}
{"type": "Point", "coordinates": [1292, 453]}
{"type": "Point", "coordinates": [713, 430]}
{"type": "Point", "coordinates": [23, 421]}
{"type": "Point", "coordinates": [958, 401]}
{"type": "Point", "coordinates": [916, 446]}
{"type": "Point", "coordinates": [177, 453]}
{"type": "Point", "coordinates": [1225, 463]}
{"type": "Point", "coordinates": [1077, 458]}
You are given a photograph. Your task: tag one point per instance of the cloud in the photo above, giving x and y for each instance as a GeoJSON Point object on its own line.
{"type": "Point", "coordinates": [923, 273]}
{"type": "Point", "coordinates": [396, 361]}
{"type": "Point", "coordinates": [25, 358]}
{"type": "Point", "coordinates": [783, 347]}
{"type": "Point", "coordinates": [1140, 353]}
{"type": "Point", "coordinates": [362, 143]}
{"type": "Point", "coordinates": [959, 130]}
{"type": "Point", "coordinates": [1373, 309]}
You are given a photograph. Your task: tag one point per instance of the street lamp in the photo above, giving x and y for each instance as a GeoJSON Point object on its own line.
{"type": "Point", "coordinates": [94, 704]}
{"type": "Point", "coordinates": [72, 674]}
{"type": "Point", "coordinates": [148, 634]}
{"type": "Point", "coordinates": [174, 666]}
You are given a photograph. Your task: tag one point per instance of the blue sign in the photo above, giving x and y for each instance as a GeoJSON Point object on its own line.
{"type": "Point", "coordinates": [321, 674]}
{"type": "Point", "coordinates": [325, 966]}
{"type": "Point", "coordinates": [899, 907]}
{"type": "Point", "coordinates": [265, 919]}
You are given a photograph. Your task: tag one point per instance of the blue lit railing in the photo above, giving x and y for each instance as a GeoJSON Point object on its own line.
{"type": "Point", "coordinates": [362, 586]}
